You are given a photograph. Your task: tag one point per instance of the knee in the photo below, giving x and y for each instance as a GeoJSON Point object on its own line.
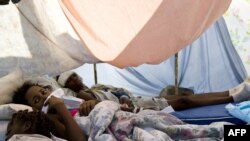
{"type": "Point", "coordinates": [181, 103]}
{"type": "Point", "coordinates": [184, 101]}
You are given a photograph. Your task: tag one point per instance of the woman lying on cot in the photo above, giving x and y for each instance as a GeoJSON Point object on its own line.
{"type": "Point", "coordinates": [57, 111]}
{"type": "Point", "coordinates": [36, 122]}
{"type": "Point", "coordinates": [35, 96]}
{"type": "Point", "coordinates": [74, 82]}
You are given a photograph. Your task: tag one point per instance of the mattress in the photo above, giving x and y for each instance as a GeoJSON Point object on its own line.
{"type": "Point", "coordinates": [206, 115]}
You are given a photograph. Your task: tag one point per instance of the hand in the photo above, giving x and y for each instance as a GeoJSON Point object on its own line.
{"type": "Point", "coordinates": [86, 107]}
{"type": "Point", "coordinates": [125, 107]}
{"type": "Point", "coordinates": [126, 104]}
{"type": "Point", "coordinates": [125, 100]}
{"type": "Point", "coordinates": [54, 102]}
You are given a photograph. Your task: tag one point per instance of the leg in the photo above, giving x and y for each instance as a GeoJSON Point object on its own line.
{"type": "Point", "coordinates": [198, 96]}
{"type": "Point", "coordinates": [172, 97]}
{"type": "Point", "coordinates": [189, 102]}
{"type": "Point", "coordinates": [209, 95]}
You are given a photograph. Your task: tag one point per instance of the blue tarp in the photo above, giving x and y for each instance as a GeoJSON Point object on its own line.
{"type": "Point", "coordinates": [211, 63]}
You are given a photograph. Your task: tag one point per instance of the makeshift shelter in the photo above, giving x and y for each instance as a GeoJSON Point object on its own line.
{"type": "Point", "coordinates": [51, 36]}
{"type": "Point", "coordinates": [202, 66]}
{"type": "Point", "coordinates": [54, 37]}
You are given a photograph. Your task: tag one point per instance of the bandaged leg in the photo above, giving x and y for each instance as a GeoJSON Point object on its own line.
{"type": "Point", "coordinates": [241, 92]}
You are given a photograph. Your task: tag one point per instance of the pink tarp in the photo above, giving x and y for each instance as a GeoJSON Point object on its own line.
{"type": "Point", "coordinates": [132, 32]}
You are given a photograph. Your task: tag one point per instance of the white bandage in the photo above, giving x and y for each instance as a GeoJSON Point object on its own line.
{"type": "Point", "coordinates": [64, 77]}
{"type": "Point", "coordinates": [57, 93]}
{"type": "Point", "coordinates": [241, 92]}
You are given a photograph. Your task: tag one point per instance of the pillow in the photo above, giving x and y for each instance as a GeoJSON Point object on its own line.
{"type": "Point", "coordinates": [9, 84]}
{"type": "Point", "coordinates": [44, 81]}
{"type": "Point", "coordinates": [30, 137]}
{"type": "Point", "coordinates": [3, 129]}
{"type": "Point", "coordinates": [6, 110]}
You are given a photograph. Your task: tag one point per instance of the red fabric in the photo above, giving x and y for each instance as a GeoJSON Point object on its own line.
{"type": "Point", "coordinates": [73, 112]}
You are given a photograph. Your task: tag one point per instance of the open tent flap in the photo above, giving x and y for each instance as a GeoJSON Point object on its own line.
{"type": "Point", "coordinates": [40, 40]}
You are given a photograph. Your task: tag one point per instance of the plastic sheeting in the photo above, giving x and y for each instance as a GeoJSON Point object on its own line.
{"type": "Point", "coordinates": [211, 63]}
{"type": "Point", "coordinates": [37, 37]}
{"type": "Point", "coordinates": [132, 32]}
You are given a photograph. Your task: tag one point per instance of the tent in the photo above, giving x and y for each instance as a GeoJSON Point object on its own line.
{"type": "Point", "coordinates": [52, 27]}
{"type": "Point", "coordinates": [138, 36]}
{"type": "Point", "coordinates": [53, 38]}
{"type": "Point", "coordinates": [202, 66]}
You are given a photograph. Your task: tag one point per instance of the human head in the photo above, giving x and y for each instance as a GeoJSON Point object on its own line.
{"type": "Point", "coordinates": [24, 122]}
{"type": "Point", "coordinates": [70, 79]}
{"type": "Point", "coordinates": [32, 94]}
{"type": "Point", "coordinates": [5, 2]}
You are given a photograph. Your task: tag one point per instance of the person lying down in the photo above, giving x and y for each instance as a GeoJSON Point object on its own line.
{"type": "Point", "coordinates": [35, 96]}
{"type": "Point", "coordinates": [38, 96]}
{"type": "Point", "coordinates": [106, 122]}
{"type": "Point", "coordinates": [60, 124]}
{"type": "Point", "coordinates": [130, 103]}
{"type": "Point", "coordinates": [100, 92]}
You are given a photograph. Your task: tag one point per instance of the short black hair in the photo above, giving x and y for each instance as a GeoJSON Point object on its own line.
{"type": "Point", "coordinates": [19, 94]}
{"type": "Point", "coordinates": [41, 123]}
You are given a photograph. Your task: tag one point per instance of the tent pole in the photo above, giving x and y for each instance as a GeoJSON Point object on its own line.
{"type": "Point", "coordinates": [95, 73]}
{"type": "Point", "coordinates": [176, 73]}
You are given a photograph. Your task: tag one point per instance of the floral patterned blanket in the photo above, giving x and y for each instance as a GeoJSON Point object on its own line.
{"type": "Point", "coordinates": [107, 122]}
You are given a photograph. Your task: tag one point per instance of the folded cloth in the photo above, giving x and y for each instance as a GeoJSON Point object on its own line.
{"type": "Point", "coordinates": [241, 110]}
{"type": "Point", "coordinates": [153, 103]}
{"type": "Point", "coordinates": [241, 92]}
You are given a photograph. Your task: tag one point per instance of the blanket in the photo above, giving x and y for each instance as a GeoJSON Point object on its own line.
{"type": "Point", "coordinates": [107, 122]}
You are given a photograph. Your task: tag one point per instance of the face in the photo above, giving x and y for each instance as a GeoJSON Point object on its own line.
{"type": "Point", "coordinates": [36, 95]}
{"type": "Point", "coordinates": [74, 82]}
{"type": "Point", "coordinates": [15, 126]}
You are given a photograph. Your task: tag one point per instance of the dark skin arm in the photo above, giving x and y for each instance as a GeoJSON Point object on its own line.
{"type": "Point", "coordinates": [59, 127]}
{"type": "Point", "coordinates": [86, 95]}
{"type": "Point", "coordinates": [86, 107]}
{"type": "Point", "coordinates": [68, 128]}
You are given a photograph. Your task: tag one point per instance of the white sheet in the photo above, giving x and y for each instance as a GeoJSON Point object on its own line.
{"type": "Point", "coordinates": [37, 37]}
